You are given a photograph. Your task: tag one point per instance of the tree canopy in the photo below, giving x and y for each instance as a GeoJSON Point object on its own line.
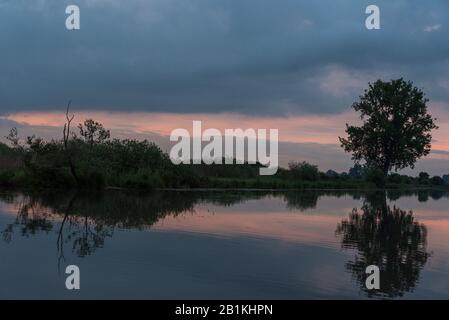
{"type": "Point", "coordinates": [396, 129]}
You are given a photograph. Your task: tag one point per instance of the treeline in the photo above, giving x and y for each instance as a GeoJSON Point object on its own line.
{"type": "Point", "coordinates": [89, 158]}
{"type": "Point", "coordinates": [376, 177]}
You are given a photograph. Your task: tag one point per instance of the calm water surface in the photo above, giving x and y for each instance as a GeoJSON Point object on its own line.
{"type": "Point", "coordinates": [247, 245]}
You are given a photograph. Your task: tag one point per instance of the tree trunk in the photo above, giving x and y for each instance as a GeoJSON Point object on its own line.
{"type": "Point", "coordinates": [386, 169]}
{"type": "Point", "coordinates": [66, 137]}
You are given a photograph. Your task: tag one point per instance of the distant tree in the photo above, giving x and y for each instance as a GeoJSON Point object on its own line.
{"type": "Point", "coordinates": [423, 178]}
{"type": "Point", "coordinates": [446, 178]}
{"type": "Point", "coordinates": [93, 132]}
{"type": "Point", "coordinates": [304, 170]}
{"type": "Point", "coordinates": [396, 129]}
{"type": "Point", "coordinates": [399, 179]}
{"type": "Point", "coordinates": [437, 181]}
{"type": "Point", "coordinates": [331, 174]}
{"type": "Point", "coordinates": [357, 171]}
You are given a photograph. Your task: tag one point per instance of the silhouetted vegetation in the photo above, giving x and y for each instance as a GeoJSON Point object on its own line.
{"type": "Point", "coordinates": [90, 159]}
{"type": "Point", "coordinates": [396, 128]}
{"type": "Point", "coordinates": [132, 164]}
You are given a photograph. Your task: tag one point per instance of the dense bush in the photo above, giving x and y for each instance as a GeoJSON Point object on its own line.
{"type": "Point", "coordinates": [304, 171]}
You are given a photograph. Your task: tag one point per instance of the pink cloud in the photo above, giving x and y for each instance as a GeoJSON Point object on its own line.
{"type": "Point", "coordinates": [312, 128]}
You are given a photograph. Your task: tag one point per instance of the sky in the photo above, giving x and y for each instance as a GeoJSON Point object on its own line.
{"type": "Point", "coordinates": [146, 67]}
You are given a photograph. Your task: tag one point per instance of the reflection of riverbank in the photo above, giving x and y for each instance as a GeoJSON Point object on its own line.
{"type": "Point", "coordinates": [283, 239]}
{"type": "Point", "coordinates": [260, 214]}
{"type": "Point", "coordinates": [93, 217]}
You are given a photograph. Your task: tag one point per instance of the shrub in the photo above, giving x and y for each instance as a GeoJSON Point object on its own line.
{"type": "Point", "coordinates": [437, 181]}
{"type": "Point", "coordinates": [304, 171]}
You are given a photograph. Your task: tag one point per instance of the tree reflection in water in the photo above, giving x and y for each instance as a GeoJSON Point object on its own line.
{"type": "Point", "coordinates": [85, 220]}
{"type": "Point", "coordinates": [389, 238]}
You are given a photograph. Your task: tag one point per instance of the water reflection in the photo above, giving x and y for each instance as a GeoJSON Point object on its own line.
{"type": "Point", "coordinates": [294, 248]}
{"type": "Point", "coordinates": [389, 238]}
{"type": "Point", "coordinates": [83, 221]}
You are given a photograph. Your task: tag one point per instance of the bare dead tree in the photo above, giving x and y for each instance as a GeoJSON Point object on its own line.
{"type": "Point", "coordinates": [66, 137]}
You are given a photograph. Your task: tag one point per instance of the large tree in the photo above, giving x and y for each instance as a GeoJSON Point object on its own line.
{"type": "Point", "coordinates": [396, 128]}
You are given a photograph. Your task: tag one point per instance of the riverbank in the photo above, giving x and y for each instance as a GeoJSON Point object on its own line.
{"type": "Point", "coordinates": [141, 165]}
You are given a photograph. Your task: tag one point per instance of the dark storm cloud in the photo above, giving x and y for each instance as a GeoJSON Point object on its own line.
{"type": "Point", "coordinates": [249, 56]}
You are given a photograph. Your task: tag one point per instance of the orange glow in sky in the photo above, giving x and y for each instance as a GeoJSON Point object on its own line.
{"type": "Point", "coordinates": [322, 129]}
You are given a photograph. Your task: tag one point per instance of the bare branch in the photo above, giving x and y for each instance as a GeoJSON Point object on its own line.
{"type": "Point", "coordinates": [66, 136]}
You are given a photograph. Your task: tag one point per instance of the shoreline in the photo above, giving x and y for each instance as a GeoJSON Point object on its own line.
{"type": "Point", "coordinates": [218, 190]}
